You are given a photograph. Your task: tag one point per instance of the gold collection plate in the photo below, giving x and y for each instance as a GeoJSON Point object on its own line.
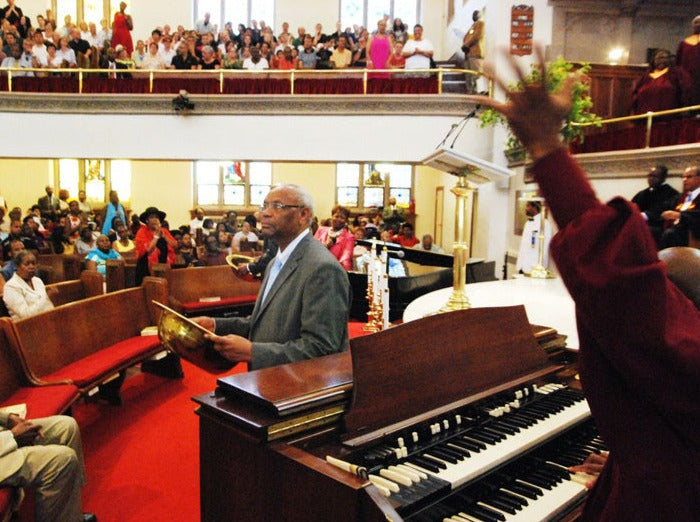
{"type": "Point", "coordinates": [187, 339]}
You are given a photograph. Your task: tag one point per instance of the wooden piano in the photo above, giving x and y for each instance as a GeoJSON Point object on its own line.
{"type": "Point", "coordinates": [458, 417]}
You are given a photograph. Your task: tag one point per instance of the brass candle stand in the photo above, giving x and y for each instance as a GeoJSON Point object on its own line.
{"type": "Point", "coordinates": [371, 325]}
{"type": "Point", "coordinates": [539, 271]}
{"type": "Point", "coordinates": [465, 194]}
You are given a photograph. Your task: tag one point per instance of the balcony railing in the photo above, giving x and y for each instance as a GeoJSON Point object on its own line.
{"type": "Point", "coordinates": [228, 81]}
{"type": "Point", "coordinates": [652, 129]}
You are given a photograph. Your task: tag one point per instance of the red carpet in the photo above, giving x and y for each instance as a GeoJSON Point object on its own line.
{"type": "Point", "coordinates": [142, 458]}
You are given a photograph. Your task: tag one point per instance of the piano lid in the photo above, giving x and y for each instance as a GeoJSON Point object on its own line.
{"type": "Point", "coordinates": [413, 370]}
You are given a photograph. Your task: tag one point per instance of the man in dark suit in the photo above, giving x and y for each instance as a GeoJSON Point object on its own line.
{"type": "Point", "coordinates": [676, 233]}
{"type": "Point", "coordinates": [302, 308]}
{"type": "Point", "coordinates": [48, 204]}
{"type": "Point", "coordinates": [655, 199]}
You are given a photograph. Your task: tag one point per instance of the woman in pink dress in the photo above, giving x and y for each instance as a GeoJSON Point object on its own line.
{"type": "Point", "coordinates": [379, 46]}
{"type": "Point", "coordinates": [121, 29]}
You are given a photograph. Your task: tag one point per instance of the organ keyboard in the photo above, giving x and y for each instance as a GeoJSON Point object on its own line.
{"type": "Point", "coordinates": [472, 424]}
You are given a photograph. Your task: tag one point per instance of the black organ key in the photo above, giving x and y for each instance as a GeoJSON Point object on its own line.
{"type": "Point", "coordinates": [483, 437]}
{"type": "Point", "coordinates": [442, 455]}
{"type": "Point", "coordinates": [424, 463]}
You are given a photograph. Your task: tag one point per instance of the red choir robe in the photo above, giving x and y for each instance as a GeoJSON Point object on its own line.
{"type": "Point", "coordinates": [688, 58]}
{"type": "Point", "coordinates": [671, 90]}
{"type": "Point", "coordinates": [639, 357]}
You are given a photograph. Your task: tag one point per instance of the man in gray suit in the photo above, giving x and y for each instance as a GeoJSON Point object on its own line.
{"type": "Point", "coordinates": [302, 308]}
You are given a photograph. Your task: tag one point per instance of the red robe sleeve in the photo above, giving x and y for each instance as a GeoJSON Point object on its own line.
{"type": "Point", "coordinates": [639, 350]}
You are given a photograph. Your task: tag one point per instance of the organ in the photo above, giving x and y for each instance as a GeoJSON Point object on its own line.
{"type": "Point", "coordinates": [458, 417]}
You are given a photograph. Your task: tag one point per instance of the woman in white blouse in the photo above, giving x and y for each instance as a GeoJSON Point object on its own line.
{"type": "Point", "coordinates": [25, 294]}
{"type": "Point", "coordinates": [245, 233]}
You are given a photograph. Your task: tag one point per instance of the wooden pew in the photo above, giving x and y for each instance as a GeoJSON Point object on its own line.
{"type": "Point", "coordinates": [89, 342]}
{"type": "Point", "coordinates": [89, 284]}
{"type": "Point", "coordinates": [41, 401]}
{"type": "Point", "coordinates": [210, 290]}
{"type": "Point", "coordinates": [54, 268]}
{"type": "Point", "coordinates": [120, 274]}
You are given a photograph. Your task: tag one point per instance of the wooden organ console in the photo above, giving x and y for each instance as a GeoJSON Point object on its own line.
{"type": "Point", "coordinates": [456, 417]}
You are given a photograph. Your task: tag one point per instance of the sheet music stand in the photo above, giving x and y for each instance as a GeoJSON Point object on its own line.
{"type": "Point", "coordinates": [468, 169]}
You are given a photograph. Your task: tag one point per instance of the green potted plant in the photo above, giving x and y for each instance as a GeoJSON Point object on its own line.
{"type": "Point", "coordinates": [557, 72]}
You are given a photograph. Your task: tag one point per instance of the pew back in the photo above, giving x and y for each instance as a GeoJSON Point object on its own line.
{"type": "Point", "coordinates": [52, 340]}
{"type": "Point", "coordinates": [190, 285]}
{"type": "Point", "coordinates": [11, 373]}
{"type": "Point", "coordinates": [90, 284]}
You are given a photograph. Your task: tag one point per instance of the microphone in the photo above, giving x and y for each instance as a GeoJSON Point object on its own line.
{"type": "Point", "coordinates": [463, 123]}
{"type": "Point", "coordinates": [399, 254]}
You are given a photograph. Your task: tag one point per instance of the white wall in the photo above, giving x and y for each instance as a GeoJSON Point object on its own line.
{"type": "Point", "coordinates": [306, 13]}
{"type": "Point", "coordinates": [301, 138]}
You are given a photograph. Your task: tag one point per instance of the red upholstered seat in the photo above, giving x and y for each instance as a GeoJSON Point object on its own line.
{"type": "Point", "coordinates": [5, 502]}
{"type": "Point", "coordinates": [225, 302]}
{"type": "Point", "coordinates": [43, 401]}
{"type": "Point", "coordinates": [100, 364]}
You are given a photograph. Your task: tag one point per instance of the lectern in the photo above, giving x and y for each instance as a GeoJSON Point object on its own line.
{"type": "Point", "coordinates": [470, 171]}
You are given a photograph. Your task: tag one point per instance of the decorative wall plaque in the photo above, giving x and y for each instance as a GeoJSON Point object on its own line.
{"type": "Point", "coordinates": [521, 28]}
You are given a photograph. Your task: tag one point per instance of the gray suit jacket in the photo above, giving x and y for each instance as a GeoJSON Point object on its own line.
{"type": "Point", "coordinates": [305, 313]}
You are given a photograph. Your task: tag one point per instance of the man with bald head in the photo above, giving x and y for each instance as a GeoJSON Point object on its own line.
{"type": "Point", "coordinates": [302, 309]}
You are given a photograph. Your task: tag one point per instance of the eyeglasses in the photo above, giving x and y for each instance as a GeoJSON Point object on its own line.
{"type": "Point", "coordinates": [276, 205]}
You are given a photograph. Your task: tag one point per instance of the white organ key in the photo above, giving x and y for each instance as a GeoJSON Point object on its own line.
{"type": "Point", "coordinates": [408, 467]}
{"type": "Point", "coordinates": [384, 491]}
{"type": "Point", "coordinates": [391, 486]}
{"type": "Point", "coordinates": [411, 474]}
{"type": "Point", "coordinates": [396, 477]}
{"type": "Point", "coordinates": [469, 518]}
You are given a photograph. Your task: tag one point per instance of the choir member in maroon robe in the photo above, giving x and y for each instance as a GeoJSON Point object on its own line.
{"type": "Point", "coordinates": [664, 87]}
{"type": "Point", "coordinates": [688, 59]}
{"type": "Point", "coordinates": [639, 336]}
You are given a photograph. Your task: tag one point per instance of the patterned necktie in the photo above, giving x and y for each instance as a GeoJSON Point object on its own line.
{"type": "Point", "coordinates": [274, 271]}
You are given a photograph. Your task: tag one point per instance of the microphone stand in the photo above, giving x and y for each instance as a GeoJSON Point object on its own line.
{"type": "Point", "coordinates": [463, 123]}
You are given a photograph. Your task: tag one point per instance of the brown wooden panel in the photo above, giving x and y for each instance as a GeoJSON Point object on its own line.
{"type": "Point", "coordinates": [243, 480]}
{"type": "Point", "coordinates": [611, 88]}
{"type": "Point", "coordinates": [11, 371]}
{"type": "Point", "coordinates": [490, 345]}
